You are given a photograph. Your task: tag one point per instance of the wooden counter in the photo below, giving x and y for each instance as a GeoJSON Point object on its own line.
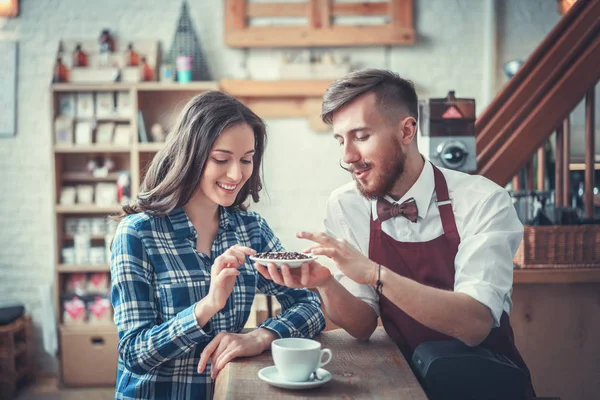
{"type": "Point", "coordinates": [361, 370]}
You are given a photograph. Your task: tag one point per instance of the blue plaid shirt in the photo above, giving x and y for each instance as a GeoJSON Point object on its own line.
{"type": "Point", "coordinates": [158, 276]}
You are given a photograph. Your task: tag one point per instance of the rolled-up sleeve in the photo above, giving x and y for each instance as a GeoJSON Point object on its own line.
{"type": "Point", "coordinates": [336, 226]}
{"type": "Point", "coordinates": [484, 262]}
{"type": "Point", "coordinates": [145, 342]}
{"type": "Point", "coordinates": [301, 314]}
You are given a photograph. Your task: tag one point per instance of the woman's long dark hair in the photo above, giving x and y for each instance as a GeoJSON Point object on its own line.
{"type": "Point", "coordinates": [175, 172]}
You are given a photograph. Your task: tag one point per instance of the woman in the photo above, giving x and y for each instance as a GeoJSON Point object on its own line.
{"type": "Point", "coordinates": [181, 284]}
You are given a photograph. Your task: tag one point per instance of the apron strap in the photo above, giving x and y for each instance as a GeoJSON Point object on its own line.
{"type": "Point", "coordinates": [445, 206]}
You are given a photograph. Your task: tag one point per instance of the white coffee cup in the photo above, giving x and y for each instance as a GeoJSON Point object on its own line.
{"type": "Point", "coordinates": [297, 358]}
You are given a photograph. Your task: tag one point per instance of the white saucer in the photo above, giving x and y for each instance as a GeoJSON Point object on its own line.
{"type": "Point", "coordinates": [271, 376]}
{"type": "Point", "coordinates": [291, 263]}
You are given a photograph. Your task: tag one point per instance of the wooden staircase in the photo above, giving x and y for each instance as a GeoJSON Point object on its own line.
{"type": "Point", "coordinates": [535, 102]}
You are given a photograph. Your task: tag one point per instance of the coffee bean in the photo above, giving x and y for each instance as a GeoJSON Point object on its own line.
{"type": "Point", "coordinates": [282, 255]}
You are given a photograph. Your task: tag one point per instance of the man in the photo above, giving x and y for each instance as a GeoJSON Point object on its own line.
{"type": "Point", "coordinates": [428, 250]}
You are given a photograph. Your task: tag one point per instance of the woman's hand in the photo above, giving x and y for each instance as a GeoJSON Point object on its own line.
{"type": "Point", "coordinates": [224, 272]}
{"type": "Point", "coordinates": [227, 346]}
{"type": "Point", "coordinates": [309, 275]}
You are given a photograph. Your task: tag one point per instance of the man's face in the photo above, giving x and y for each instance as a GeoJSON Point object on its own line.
{"type": "Point", "coordinates": [370, 147]}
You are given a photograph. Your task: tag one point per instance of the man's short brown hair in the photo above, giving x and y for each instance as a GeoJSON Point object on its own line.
{"type": "Point", "coordinates": [396, 97]}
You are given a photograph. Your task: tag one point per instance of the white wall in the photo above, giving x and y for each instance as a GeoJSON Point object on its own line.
{"type": "Point", "coordinates": [301, 166]}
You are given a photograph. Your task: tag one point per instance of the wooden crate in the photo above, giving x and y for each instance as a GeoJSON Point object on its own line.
{"type": "Point", "coordinates": [572, 246]}
{"type": "Point", "coordinates": [16, 366]}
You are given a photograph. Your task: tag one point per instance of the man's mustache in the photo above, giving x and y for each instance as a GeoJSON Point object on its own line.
{"type": "Point", "coordinates": [354, 167]}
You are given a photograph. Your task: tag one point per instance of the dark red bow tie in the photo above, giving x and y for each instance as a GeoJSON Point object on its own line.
{"type": "Point", "coordinates": [387, 210]}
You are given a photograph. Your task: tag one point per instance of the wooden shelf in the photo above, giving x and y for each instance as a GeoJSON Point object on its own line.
{"type": "Point", "coordinates": [557, 275]}
{"type": "Point", "coordinates": [140, 86]}
{"type": "Point", "coordinates": [87, 177]}
{"type": "Point", "coordinates": [175, 86]}
{"type": "Point", "coordinates": [92, 87]}
{"type": "Point", "coordinates": [88, 328]}
{"type": "Point", "coordinates": [274, 89]}
{"type": "Point", "coordinates": [150, 147]}
{"type": "Point", "coordinates": [66, 268]}
{"type": "Point", "coordinates": [86, 209]}
{"type": "Point", "coordinates": [91, 149]}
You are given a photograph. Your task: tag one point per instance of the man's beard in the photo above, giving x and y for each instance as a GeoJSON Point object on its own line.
{"type": "Point", "coordinates": [391, 168]}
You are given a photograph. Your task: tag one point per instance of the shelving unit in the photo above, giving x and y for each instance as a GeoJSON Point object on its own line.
{"type": "Point", "coordinates": [159, 103]}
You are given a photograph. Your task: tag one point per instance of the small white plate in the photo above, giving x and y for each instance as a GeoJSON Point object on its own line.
{"type": "Point", "coordinates": [271, 376]}
{"type": "Point", "coordinates": [291, 263]}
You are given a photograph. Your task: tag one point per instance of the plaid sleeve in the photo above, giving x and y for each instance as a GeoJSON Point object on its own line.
{"type": "Point", "coordinates": [301, 314]}
{"type": "Point", "coordinates": [145, 342]}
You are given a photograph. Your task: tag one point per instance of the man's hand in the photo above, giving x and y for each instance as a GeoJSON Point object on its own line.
{"type": "Point", "coordinates": [309, 275]}
{"type": "Point", "coordinates": [350, 261]}
{"type": "Point", "coordinates": [227, 346]}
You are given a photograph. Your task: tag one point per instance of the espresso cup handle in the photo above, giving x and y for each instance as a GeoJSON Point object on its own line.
{"type": "Point", "coordinates": [324, 363]}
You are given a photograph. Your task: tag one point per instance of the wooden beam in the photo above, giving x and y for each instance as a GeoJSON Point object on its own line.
{"type": "Point", "coordinates": [291, 36]}
{"type": "Point", "coordinates": [235, 14]}
{"type": "Point", "coordinates": [588, 197]}
{"type": "Point", "coordinates": [567, 161]}
{"type": "Point", "coordinates": [520, 143]}
{"type": "Point", "coordinates": [541, 70]}
{"type": "Point", "coordinates": [528, 95]}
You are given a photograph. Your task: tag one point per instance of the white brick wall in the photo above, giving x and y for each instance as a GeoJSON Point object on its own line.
{"type": "Point", "coordinates": [301, 167]}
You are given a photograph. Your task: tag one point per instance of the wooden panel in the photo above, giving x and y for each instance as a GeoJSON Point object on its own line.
{"type": "Point", "coordinates": [556, 275]}
{"type": "Point", "coordinates": [284, 36]}
{"type": "Point", "coordinates": [556, 330]}
{"type": "Point", "coordinates": [319, 31]}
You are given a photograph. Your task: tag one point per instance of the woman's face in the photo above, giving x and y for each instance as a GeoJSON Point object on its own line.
{"type": "Point", "coordinates": [229, 165]}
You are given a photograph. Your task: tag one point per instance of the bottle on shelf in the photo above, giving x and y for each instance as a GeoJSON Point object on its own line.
{"type": "Point", "coordinates": [145, 71]}
{"type": "Point", "coordinates": [132, 59]}
{"type": "Point", "coordinates": [107, 46]}
{"type": "Point", "coordinates": [80, 59]}
{"type": "Point", "coordinates": [61, 73]}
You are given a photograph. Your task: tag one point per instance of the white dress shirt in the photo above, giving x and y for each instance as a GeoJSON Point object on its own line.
{"type": "Point", "coordinates": [489, 229]}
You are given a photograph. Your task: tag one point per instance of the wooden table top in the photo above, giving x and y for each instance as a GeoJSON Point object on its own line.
{"type": "Point", "coordinates": [361, 370]}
